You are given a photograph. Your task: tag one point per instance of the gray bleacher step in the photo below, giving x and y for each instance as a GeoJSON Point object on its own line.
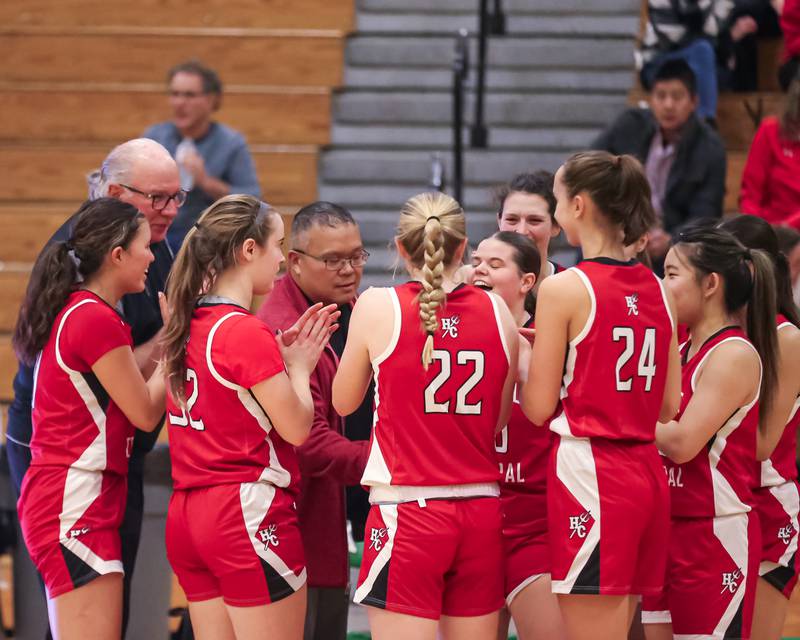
{"type": "Point", "coordinates": [441, 137]}
{"type": "Point", "coordinates": [478, 198]}
{"type": "Point", "coordinates": [512, 7]}
{"type": "Point", "coordinates": [378, 225]}
{"type": "Point", "coordinates": [514, 52]}
{"type": "Point", "coordinates": [532, 79]}
{"type": "Point", "coordinates": [509, 109]}
{"type": "Point", "coordinates": [412, 166]}
{"type": "Point", "coordinates": [517, 24]}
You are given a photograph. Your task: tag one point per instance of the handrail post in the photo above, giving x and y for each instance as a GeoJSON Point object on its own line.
{"type": "Point", "coordinates": [460, 70]}
{"type": "Point", "coordinates": [497, 19]}
{"type": "Point", "coordinates": [479, 136]}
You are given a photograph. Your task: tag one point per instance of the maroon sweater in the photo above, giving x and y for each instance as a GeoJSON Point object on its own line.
{"type": "Point", "coordinates": [328, 460]}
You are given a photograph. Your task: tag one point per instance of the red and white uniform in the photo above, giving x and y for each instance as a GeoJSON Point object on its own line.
{"type": "Point", "coordinates": [605, 467]}
{"type": "Point", "coordinates": [73, 495]}
{"type": "Point", "coordinates": [231, 525]}
{"type": "Point", "coordinates": [777, 502]}
{"type": "Point", "coordinates": [433, 543]}
{"type": "Point", "coordinates": [522, 450]}
{"type": "Point", "coordinates": [710, 584]}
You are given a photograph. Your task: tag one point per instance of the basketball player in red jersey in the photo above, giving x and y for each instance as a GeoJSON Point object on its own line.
{"type": "Point", "coordinates": [777, 499]}
{"type": "Point", "coordinates": [238, 401]}
{"type": "Point", "coordinates": [433, 548]}
{"type": "Point", "coordinates": [610, 321]}
{"type": "Point", "coordinates": [527, 206]}
{"type": "Point", "coordinates": [88, 396]}
{"type": "Point", "coordinates": [719, 287]}
{"type": "Point", "coordinates": [506, 264]}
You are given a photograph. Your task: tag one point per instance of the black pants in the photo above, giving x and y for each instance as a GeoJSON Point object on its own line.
{"type": "Point", "coordinates": [19, 459]}
{"type": "Point", "coordinates": [326, 613]}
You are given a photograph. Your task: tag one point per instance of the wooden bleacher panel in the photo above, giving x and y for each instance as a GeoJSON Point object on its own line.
{"type": "Point", "coordinates": [12, 290]}
{"type": "Point", "coordinates": [117, 54]}
{"type": "Point", "coordinates": [770, 54]}
{"type": "Point", "coordinates": [270, 14]}
{"type": "Point", "coordinates": [8, 367]}
{"type": "Point", "coordinates": [56, 172]}
{"type": "Point", "coordinates": [733, 179]}
{"type": "Point", "coordinates": [736, 125]}
{"type": "Point", "coordinates": [25, 227]}
{"type": "Point", "coordinates": [79, 112]}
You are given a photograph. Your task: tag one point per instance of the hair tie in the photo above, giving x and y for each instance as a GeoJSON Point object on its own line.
{"type": "Point", "coordinates": [429, 218]}
{"type": "Point", "coordinates": [68, 245]}
{"type": "Point", "coordinates": [197, 225]}
{"type": "Point", "coordinates": [77, 262]}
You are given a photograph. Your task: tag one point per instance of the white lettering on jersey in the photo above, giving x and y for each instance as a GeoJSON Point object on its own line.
{"type": "Point", "coordinates": [730, 581]}
{"type": "Point", "coordinates": [577, 524]}
{"type": "Point", "coordinates": [376, 538]}
{"type": "Point", "coordinates": [268, 536]}
{"type": "Point", "coordinates": [450, 327]}
{"type": "Point", "coordinates": [512, 473]}
{"type": "Point", "coordinates": [674, 476]}
{"type": "Point", "coordinates": [786, 533]}
{"type": "Point", "coordinates": [633, 304]}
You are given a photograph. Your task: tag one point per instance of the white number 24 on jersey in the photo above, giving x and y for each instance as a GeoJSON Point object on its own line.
{"type": "Point", "coordinates": [647, 367]}
{"type": "Point", "coordinates": [185, 419]}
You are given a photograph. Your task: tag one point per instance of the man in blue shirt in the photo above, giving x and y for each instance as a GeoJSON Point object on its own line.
{"type": "Point", "coordinates": [213, 158]}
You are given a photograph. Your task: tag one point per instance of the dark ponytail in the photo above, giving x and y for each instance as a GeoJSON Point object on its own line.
{"type": "Point", "coordinates": [757, 233]}
{"type": "Point", "coordinates": [101, 225]}
{"type": "Point", "coordinates": [526, 257]}
{"type": "Point", "coordinates": [749, 279]}
{"type": "Point", "coordinates": [618, 187]}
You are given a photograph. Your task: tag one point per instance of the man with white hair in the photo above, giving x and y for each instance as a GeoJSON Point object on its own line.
{"type": "Point", "coordinates": [140, 172]}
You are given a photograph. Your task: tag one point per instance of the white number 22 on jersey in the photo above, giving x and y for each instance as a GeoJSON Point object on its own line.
{"type": "Point", "coordinates": [647, 367]}
{"type": "Point", "coordinates": [185, 419]}
{"type": "Point", "coordinates": [462, 359]}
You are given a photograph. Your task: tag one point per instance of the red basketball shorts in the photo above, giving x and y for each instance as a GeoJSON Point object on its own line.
{"type": "Point", "coordinates": [443, 558]}
{"type": "Point", "coordinates": [526, 548]}
{"type": "Point", "coordinates": [608, 512]}
{"type": "Point", "coordinates": [711, 577]}
{"type": "Point", "coordinates": [777, 509]}
{"type": "Point", "coordinates": [237, 541]}
{"type": "Point", "coordinates": [70, 521]}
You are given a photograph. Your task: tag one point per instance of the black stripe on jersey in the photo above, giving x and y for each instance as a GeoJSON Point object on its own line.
{"type": "Point", "coordinates": [734, 629]}
{"type": "Point", "coordinates": [100, 394]}
{"type": "Point", "coordinates": [685, 354]}
{"type": "Point", "coordinates": [264, 411]}
{"type": "Point", "coordinates": [588, 581]}
{"type": "Point", "coordinates": [611, 262]}
{"type": "Point", "coordinates": [380, 588]}
{"type": "Point", "coordinates": [779, 577]}
{"type": "Point", "coordinates": [79, 572]}
{"type": "Point", "coordinates": [276, 584]}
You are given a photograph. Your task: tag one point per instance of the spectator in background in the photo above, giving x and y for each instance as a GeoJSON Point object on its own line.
{"type": "Point", "coordinates": [683, 157]}
{"type": "Point", "coordinates": [771, 178]}
{"type": "Point", "coordinates": [790, 25]}
{"type": "Point", "coordinates": [698, 31]}
{"type": "Point", "coordinates": [214, 159]}
{"type": "Point", "coordinates": [789, 244]}
{"type": "Point", "coordinates": [325, 264]}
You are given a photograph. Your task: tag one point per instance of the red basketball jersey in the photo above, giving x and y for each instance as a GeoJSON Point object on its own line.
{"type": "Point", "coordinates": [616, 367]}
{"type": "Point", "coordinates": [436, 427]}
{"type": "Point", "coordinates": [224, 436]}
{"type": "Point", "coordinates": [522, 450]}
{"type": "Point", "coordinates": [75, 422]}
{"type": "Point", "coordinates": [719, 479]}
{"type": "Point", "coordinates": [781, 466]}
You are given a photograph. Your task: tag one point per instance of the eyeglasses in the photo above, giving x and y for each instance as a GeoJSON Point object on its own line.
{"type": "Point", "coordinates": [336, 263]}
{"type": "Point", "coordinates": [159, 201]}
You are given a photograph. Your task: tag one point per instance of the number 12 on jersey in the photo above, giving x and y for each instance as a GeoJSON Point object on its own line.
{"type": "Point", "coordinates": [646, 368]}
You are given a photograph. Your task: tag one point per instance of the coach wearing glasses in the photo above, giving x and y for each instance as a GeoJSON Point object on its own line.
{"type": "Point", "coordinates": [325, 264]}
{"type": "Point", "coordinates": [213, 158]}
{"type": "Point", "coordinates": [142, 173]}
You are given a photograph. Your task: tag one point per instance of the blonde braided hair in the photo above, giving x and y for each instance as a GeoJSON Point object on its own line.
{"type": "Point", "coordinates": [431, 228]}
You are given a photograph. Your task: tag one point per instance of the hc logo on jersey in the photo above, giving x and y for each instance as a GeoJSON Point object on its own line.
{"type": "Point", "coordinates": [268, 536]}
{"type": "Point", "coordinates": [450, 327]}
{"type": "Point", "coordinates": [633, 304]}
{"type": "Point", "coordinates": [730, 581]}
{"type": "Point", "coordinates": [578, 524]}
{"type": "Point", "coordinates": [785, 533]}
{"type": "Point", "coordinates": [376, 538]}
